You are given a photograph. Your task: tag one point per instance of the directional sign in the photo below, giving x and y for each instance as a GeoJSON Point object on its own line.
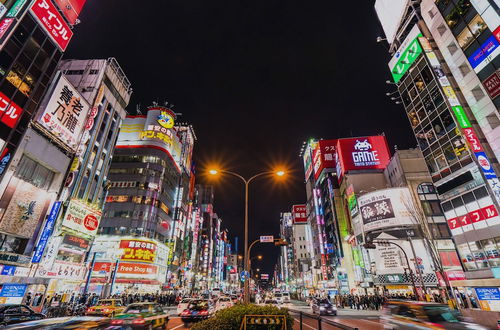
{"type": "Point", "coordinates": [267, 239]}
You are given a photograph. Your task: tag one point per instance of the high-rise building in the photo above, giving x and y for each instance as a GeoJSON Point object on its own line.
{"type": "Point", "coordinates": [444, 67]}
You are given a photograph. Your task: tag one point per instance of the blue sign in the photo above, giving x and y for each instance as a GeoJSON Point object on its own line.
{"type": "Point", "coordinates": [488, 293]}
{"type": "Point", "coordinates": [485, 164]}
{"type": "Point", "coordinates": [13, 290]}
{"type": "Point", "coordinates": [244, 275]}
{"type": "Point", "coordinates": [484, 51]}
{"type": "Point", "coordinates": [47, 231]}
{"type": "Point", "coordinates": [8, 270]}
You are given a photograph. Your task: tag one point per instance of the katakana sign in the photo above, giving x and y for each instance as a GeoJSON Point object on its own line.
{"type": "Point", "coordinates": [138, 250]}
{"type": "Point", "coordinates": [65, 114]}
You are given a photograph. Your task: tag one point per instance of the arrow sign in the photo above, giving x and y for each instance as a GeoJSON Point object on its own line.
{"type": "Point", "coordinates": [267, 239]}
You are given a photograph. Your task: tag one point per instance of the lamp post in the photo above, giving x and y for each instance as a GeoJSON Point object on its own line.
{"type": "Point", "coordinates": [247, 183]}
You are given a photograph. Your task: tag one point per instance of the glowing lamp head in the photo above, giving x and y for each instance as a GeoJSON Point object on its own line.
{"type": "Point", "coordinates": [259, 257]}
{"type": "Point", "coordinates": [213, 172]}
{"type": "Point", "coordinates": [280, 173]}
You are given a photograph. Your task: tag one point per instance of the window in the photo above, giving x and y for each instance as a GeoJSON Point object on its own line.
{"type": "Point", "coordinates": [432, 208]}
{"type": "Point", "coordinates": [464, 69]}
{"type": "Point", "coordinates": [34, 173]}
{"type": "Point", "coordinates": [478, 93]}
{"type": "Point", "coordinates": [477, 25]}
{"type": "Point", "coordinates": [465, 38]}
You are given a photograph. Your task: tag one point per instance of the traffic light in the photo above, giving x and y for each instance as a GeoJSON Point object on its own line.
{"type": "Point", "coordinates": [369, 246]}
{"type": "Point", "coordinates": [280, 242]}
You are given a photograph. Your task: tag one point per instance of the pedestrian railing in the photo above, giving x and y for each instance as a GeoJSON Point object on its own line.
{"type": "Point", "coordinates": [320, 321]}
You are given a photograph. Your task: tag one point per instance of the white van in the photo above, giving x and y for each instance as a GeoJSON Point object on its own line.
{"type": "Point", "coordinates": [285, 296]}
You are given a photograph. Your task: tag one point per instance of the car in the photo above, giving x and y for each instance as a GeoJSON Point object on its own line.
{"type": "Point", "coordinates": [183, 305]}
{"type": "Point", "coordinates": [223, 302]}
{"type": "Point", "coordinates": [407, 314]}
{"type": "Point", "coordinates": [285, 297]}
{"type": "Point", "coordinates": [68, 322]}
{"type": "Point", "coordinates": [197, 310]}
{"type": "Point", "coordinates": [106, 307]}
{"type": "Point", "coordinates": [234, 298]}
{"type": "Point", "coordinates": [17, 313]}
{"type": "Point", "coordinates": [145, 315]}
{"type": "Point", "coordinates": [279, 297]}
{"type": "Point", "coordinates": [323, 307]}
{"type": "Point", "coordinates": [216, 292]}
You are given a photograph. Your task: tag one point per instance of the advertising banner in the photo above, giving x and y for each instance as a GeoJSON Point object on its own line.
{"type": "Point", "coordinates": [26, 208]}
{"type": "Point", "coordinates": [492, 84]}
{"type": "Point", "coordinates": [62, 270]}
{"type": "Point", "coordinates": [65, 114]}
{"type": "Point", "coordinates": [484, 54]}
{"type": "Point", "coordinates": [138, 250]}
{"type": "Point", "coordinates": [10, 112]}
{"type": "Point", "coordinates": [407, 53]}
{"type": "Point", "coordinates": [352, 202]}
{"type": "Point", "coordinates": [71, 9]}
{"type": "Point", "coordinates": [386, 208]}
{"type": "Point", "coordinates": [127, 269]}
{"type": "Point", "coordinates": [82, 218]}
{"type": "Point", "coordinates": [48, 16]}
{"type": "Point", "coordinates": [307, 158]}
{"type": "Point", "coordinates": [390, 13]}
{"type": "Point", "coordinates": [267, 239]}
{"type": "Point", "coordinates": [299, 213]}
{"type": "Point", "coordinates": [364, 153]}
{"type": "Point", "coordinates": [323, 156]}
{"type": "Point", "coordinates": [12, 293]}
{"type": "Point", "coordinates": [46, 232]}
{"type": "Point", "coordinates": [75, 241]}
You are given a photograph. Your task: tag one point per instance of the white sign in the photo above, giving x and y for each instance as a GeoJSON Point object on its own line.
{"type": "Point", "coordinates": [62, 270]}
{"type": "Point", "coordinates": [390, 13]}
{"type": "Point", "coordinates": [386, 208]}
{"type": "Point", "coordinates": [82, 218]}
{"type": "Point", "coordinates": [389, 260]}
{"type": "Point", "coordinates": [267, 239]}
{"type": "Point", "coordinates": [65, 114]}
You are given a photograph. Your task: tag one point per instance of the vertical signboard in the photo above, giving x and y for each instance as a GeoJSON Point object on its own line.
{"type": "Point", "coordinates": [71, 9]}
{"type": "Point", "coordinates": [48, 16]}
{"type": "Point", "coordinates": [10, 112]}
{"type": "Point", "coordinates": [406, 54]}
{"type": "Point", "coordinates": [299, 213]}
{"type": "Point", "coordinates": [46, 232]}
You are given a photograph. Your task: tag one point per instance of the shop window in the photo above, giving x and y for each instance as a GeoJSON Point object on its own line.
{"type": "Point", "coordinates": [449, 154]}
{"type": "Point", "coordinates": [431, 164]}
{"type": "Point", "coordinates": [438, 127]}
{"type": "Point", "coordinates": [34, 173]}
{"type": "Point", "coordinates": [465, 38]}
{"type": "Point", "coordinates": [479, 255]}
{"type": "Point", "coordinates": [466, 257]}
{"type": "Point", "coordinates": [432, 208]}
{"type": "Point", "coordinates": [477, 25]}
{"type": "Point", "coordinates": [491, 250]}
{"type": "Point", "coordinates": [441, 161]}
{"type": "Point", "coordinates": [12, 244]}
{"type": "Point", "coordinates": [459, 147]}
{"type": "Point", "coordinates": [447, 121]}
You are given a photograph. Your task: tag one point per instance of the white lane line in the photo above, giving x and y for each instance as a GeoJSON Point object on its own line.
{"type": "Point", "coordinates": [180, 325]}
{"type": "Point", "coordinates": [307, 325]}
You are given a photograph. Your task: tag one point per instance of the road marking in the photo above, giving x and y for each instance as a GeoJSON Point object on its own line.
{"type": "Point", "coordinates": [307, 325]}
{"type": "Point", "coordinates": [180, 325]}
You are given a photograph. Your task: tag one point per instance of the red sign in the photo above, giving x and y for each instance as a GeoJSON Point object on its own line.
{"type": "Point", "coordinates": [323, 156]}
{"type": "Point", "coordinates": [484, 213]}
{"type": "Point", "coordinates": [5, 24]}
{"type": "Point", "coordinates": [9, 111]}
{"type": "Point", "coordinates": [138, 250]}
{"type": "Point", "coordinates": [496, 33]}
{"type": "Point", "coordinates": [363, 153]}
{"type": "Point", "coordinates": [492, 84]}
{"type": "Point", "coordinates": [474, 143]}
{"type": "Point", "coordinates": [79, 242]}
{"type": "Point", "coordinates": [54, 24]}
{"type": "Point", "coordinates": [71, 9]}
{"type": "Point", "coordinates": [90, 222]}
{"type": "Point", "coordinates": [127, 268]}
{"type": "Point", "coordinates": [455, 275]}
{"type": "Point", "coordinates": [299, 213]}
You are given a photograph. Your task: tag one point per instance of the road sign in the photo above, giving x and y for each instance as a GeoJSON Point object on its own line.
{"type": "Point", "coordinates": [244, 275]}
{"type": "Point", "coordinates": [267, 239]}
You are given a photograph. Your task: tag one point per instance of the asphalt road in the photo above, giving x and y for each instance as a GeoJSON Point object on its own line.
{"type": "Point", "coordinates": [363, 320]}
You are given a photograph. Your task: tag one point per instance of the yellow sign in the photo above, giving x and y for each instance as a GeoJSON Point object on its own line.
{"type": "Point", "coordinates": [156, 135]}
{"type": "Point", "coordinates": [265, 320]}
{"type": "Point", "coordinates": [166, 120]}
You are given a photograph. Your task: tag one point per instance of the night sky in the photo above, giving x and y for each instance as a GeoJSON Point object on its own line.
{"type": "Point", "coordinates": [255, 79]}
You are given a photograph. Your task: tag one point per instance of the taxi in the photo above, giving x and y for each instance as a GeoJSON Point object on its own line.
{"type": "Point", "coordinates": [147, 315]}
{"type": "Point", "coordinates": [106, 307]}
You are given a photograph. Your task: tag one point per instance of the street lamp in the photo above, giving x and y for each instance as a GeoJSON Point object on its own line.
{"type": "Point", "coordinates": [247, 182]}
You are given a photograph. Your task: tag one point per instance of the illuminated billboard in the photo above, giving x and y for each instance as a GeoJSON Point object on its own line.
{"type": "Point", "coordinates": [70, 9]}
{"type": "Point", "coordinates": [82, 218]}
{"type": "Point", "coordinates": [390, 14]}
{"type": "Point", "coordinates": [54, 24]}
{"type": "Point", "coordinates": [65, 114]}
{"type": "Point", "coordinates": [406, 54]}
{"type": "Point", "coordinates": [299, 213]}
{"type": "Point", "coordinates": [363, 153]}
{"type": "Point", "coordinates": [386, 208]}
{"type": "Point", "coordinates": [323, 156]}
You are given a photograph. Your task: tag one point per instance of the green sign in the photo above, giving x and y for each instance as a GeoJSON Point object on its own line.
{"type": "Point", "coordinates": [16, 8]}
{"type": "Point", "coordinates": [394, 278]}
{"type": "Point", "coordinates": [462, 119]}
{"type": "Point", "coordinates": [408, 56]}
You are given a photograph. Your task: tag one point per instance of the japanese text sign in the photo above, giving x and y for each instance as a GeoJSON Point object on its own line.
{"type": "Point", "coordinates": [323, 156]}
{"type": "Point", "coordinates": [267, 239]}
{"type": "Point", "coordinates": [9, 111]}
{"type": "Point", "coordinates": [49, 17]}
{"type": "Point", "coordinates": [138, 250]}
{"type": "Point", "coordinates": [82, 218]}
{"type": "Point", "coordinates": [299, 213]}
{"type": "Point", "coordinates": [65, 114]}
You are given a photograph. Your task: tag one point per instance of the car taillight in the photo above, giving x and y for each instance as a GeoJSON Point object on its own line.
{"type": "Point", "coordinates": [89, 309]}
{"type": "Point", "coordinates": [204, 313]}
{"type": "Point", "coordinates": [117, 322]}
{"type": "Point", "coordinates": [437, 325]}
{"type": "Point", "coordinates": [138, 321]}
{"type": "Point", "coordinates": [185, 312]}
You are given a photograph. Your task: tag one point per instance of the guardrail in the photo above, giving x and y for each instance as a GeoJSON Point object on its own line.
{"type": "Point", "coordinates": [320, 321]}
